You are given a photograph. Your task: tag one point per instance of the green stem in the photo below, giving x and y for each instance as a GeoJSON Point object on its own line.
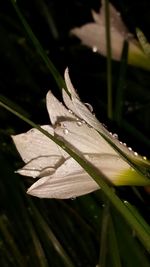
{"type": "Point", "coordinates": [104, 235]}
{"type": "Point", "coordinates": [142, 232]}
{"type": "Point", "coordinates": [109, 69]}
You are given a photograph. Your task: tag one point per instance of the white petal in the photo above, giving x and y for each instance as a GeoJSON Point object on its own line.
{"type": "Point", "coordinates": [69, 181]}
{"type": "Point", "coordinates": [93, 35]}
{"type": "Point", "coordinates": [33, 144]}
{"type": "Point", "coordinates": [115, 19]}
{"type": "Point", "coordinates": [41, 166]}
{"type": "Point", "coordinates": [85, 114]}
{"type": "Point", "coordinates": [83, 138]}
{"type": "Point", "coordinates": [78, 107]}
{"type": "Point", "coordinates": [56, 110]}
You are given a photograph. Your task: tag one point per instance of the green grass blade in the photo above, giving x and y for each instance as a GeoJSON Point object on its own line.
{"type": "Point", "coordinates": [113, 245]}
{"type": "Point", "coordinates": [109, 68]}
{"type": "Point", "coordinates": [50, 235]}
{"type": "Point", "coordinates": [58, 78]}
{"type": "Point", "coordinates": [120, 87]}
{"type": "Point", "coordinates": [11, 242]}
{"type": "Point", "coordinates": [104, 236]}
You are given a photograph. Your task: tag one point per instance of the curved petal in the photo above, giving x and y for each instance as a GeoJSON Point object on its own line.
{"type": "Point", "coordinates": [89, 118]}
{"type": "Point", "coordinates": [83, 138]}
{"type": "Point", "coordinates": [33, 144]}
{"type": "Point", "coordinates": [41, 166]}
{"type": "Point", "coordinates": [69, 181]}
{"type": "Point", "coordinates": [56, 110]}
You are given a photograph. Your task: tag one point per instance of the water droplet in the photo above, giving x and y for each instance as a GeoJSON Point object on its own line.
{"type": "Point", "coordinates": [130, 148]}
{"type": "Point", "coordinates": [110, 133]}
{"type": "Point", "coordinates": [115, 136]}
{"type": "Point", "coordinates": [64, 125]}
{"type": "Point", "coordinates": [120, 142]}
{"type": "Point", "coordinates": [124, 144]}
{"type": "Point", "coordinates": [89, 107]}
{"type": "Point", "coordinates": [70, 111]}
{"type": "Point", "coordinates": [135, 154]}
{"type": "Point", "coordinates": [145, 158]}
{"type": "Point", "coordinates": [79, 123]}
{"type": "Point", "coordinates": [94, 49]}
{"type": "Point", "coordinates": [65, 131]}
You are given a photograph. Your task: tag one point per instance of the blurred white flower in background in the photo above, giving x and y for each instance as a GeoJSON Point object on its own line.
{"type": "Point", "coordinates": [59, 175]}
{"type": "Point", "coordinates": [93, 35]}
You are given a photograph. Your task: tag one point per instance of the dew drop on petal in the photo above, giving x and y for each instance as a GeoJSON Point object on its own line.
{"type": "Point", "coordinates": [89, 107]}
{"type": "Point", "coordinates": [130, 148]}
{"type": "Point", "coordinates": [65, 131]}
{"type": "Point", "coordinates": [135, 154]}
{"type": "Point", "coordinates": [145, 158]}
{"type": "Point", "coordinates": [124, 144]}
{"type": "Point", "coordinates": [94, 49]}
{"type": "Point", "coordinates": [70, 111]}
{"type": "Point", "coordinates": [115, 136]}
{"type": "Point", "coordinates": [79, 123]}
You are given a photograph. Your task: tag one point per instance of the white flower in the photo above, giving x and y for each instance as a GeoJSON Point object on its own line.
{"type": "Point", "coordinates": [93, 35]}
{"type": "Point", "coordinates": [59, 175]}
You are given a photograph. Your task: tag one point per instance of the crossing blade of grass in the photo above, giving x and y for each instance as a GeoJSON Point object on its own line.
{"type": "Point", "coordinates": [138, 216]}
{"type": "Point", "coordinates": [104, 235]}
{"type": "Point", "coordinates": [113, 245]}
{"type": "Point", "coordinates": [39, 252]}
{"type": "Point", "coordinates": [121, 82]}
{"type": "Point", "coordinates": [109, 67]}
{"type": "Point", "coordinates": [128, 244]}
{"type": "Point", "coordinates": [58, 78]}
{"type": "Point", "coordinates": [38, 219]}
{"type": "Point", "coordinates": [11, 242]}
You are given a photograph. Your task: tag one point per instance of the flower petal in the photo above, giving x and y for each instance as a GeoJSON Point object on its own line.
{"type": "Point", "coordinates": [34, 144]}
{"type": "Point", "coordinates": [116, 21]}
{"type": "Point", "coordinates": [41, 166]}
{"type": "Point", "coordinates": [117, 170]}
{"type": "Point", "coordinates": [69, 181]}
{"type": "Point", "coordinates": [85, 114]}
{"type": "Point", "coordinates": [56, 110]}
{"type": "Point", "coordinates": [83, 138]}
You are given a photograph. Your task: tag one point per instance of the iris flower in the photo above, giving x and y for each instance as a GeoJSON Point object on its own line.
{"type": "Point", "coordinates": [93, 35]}
{"type": "Point", "coordinates": [57, 174]}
